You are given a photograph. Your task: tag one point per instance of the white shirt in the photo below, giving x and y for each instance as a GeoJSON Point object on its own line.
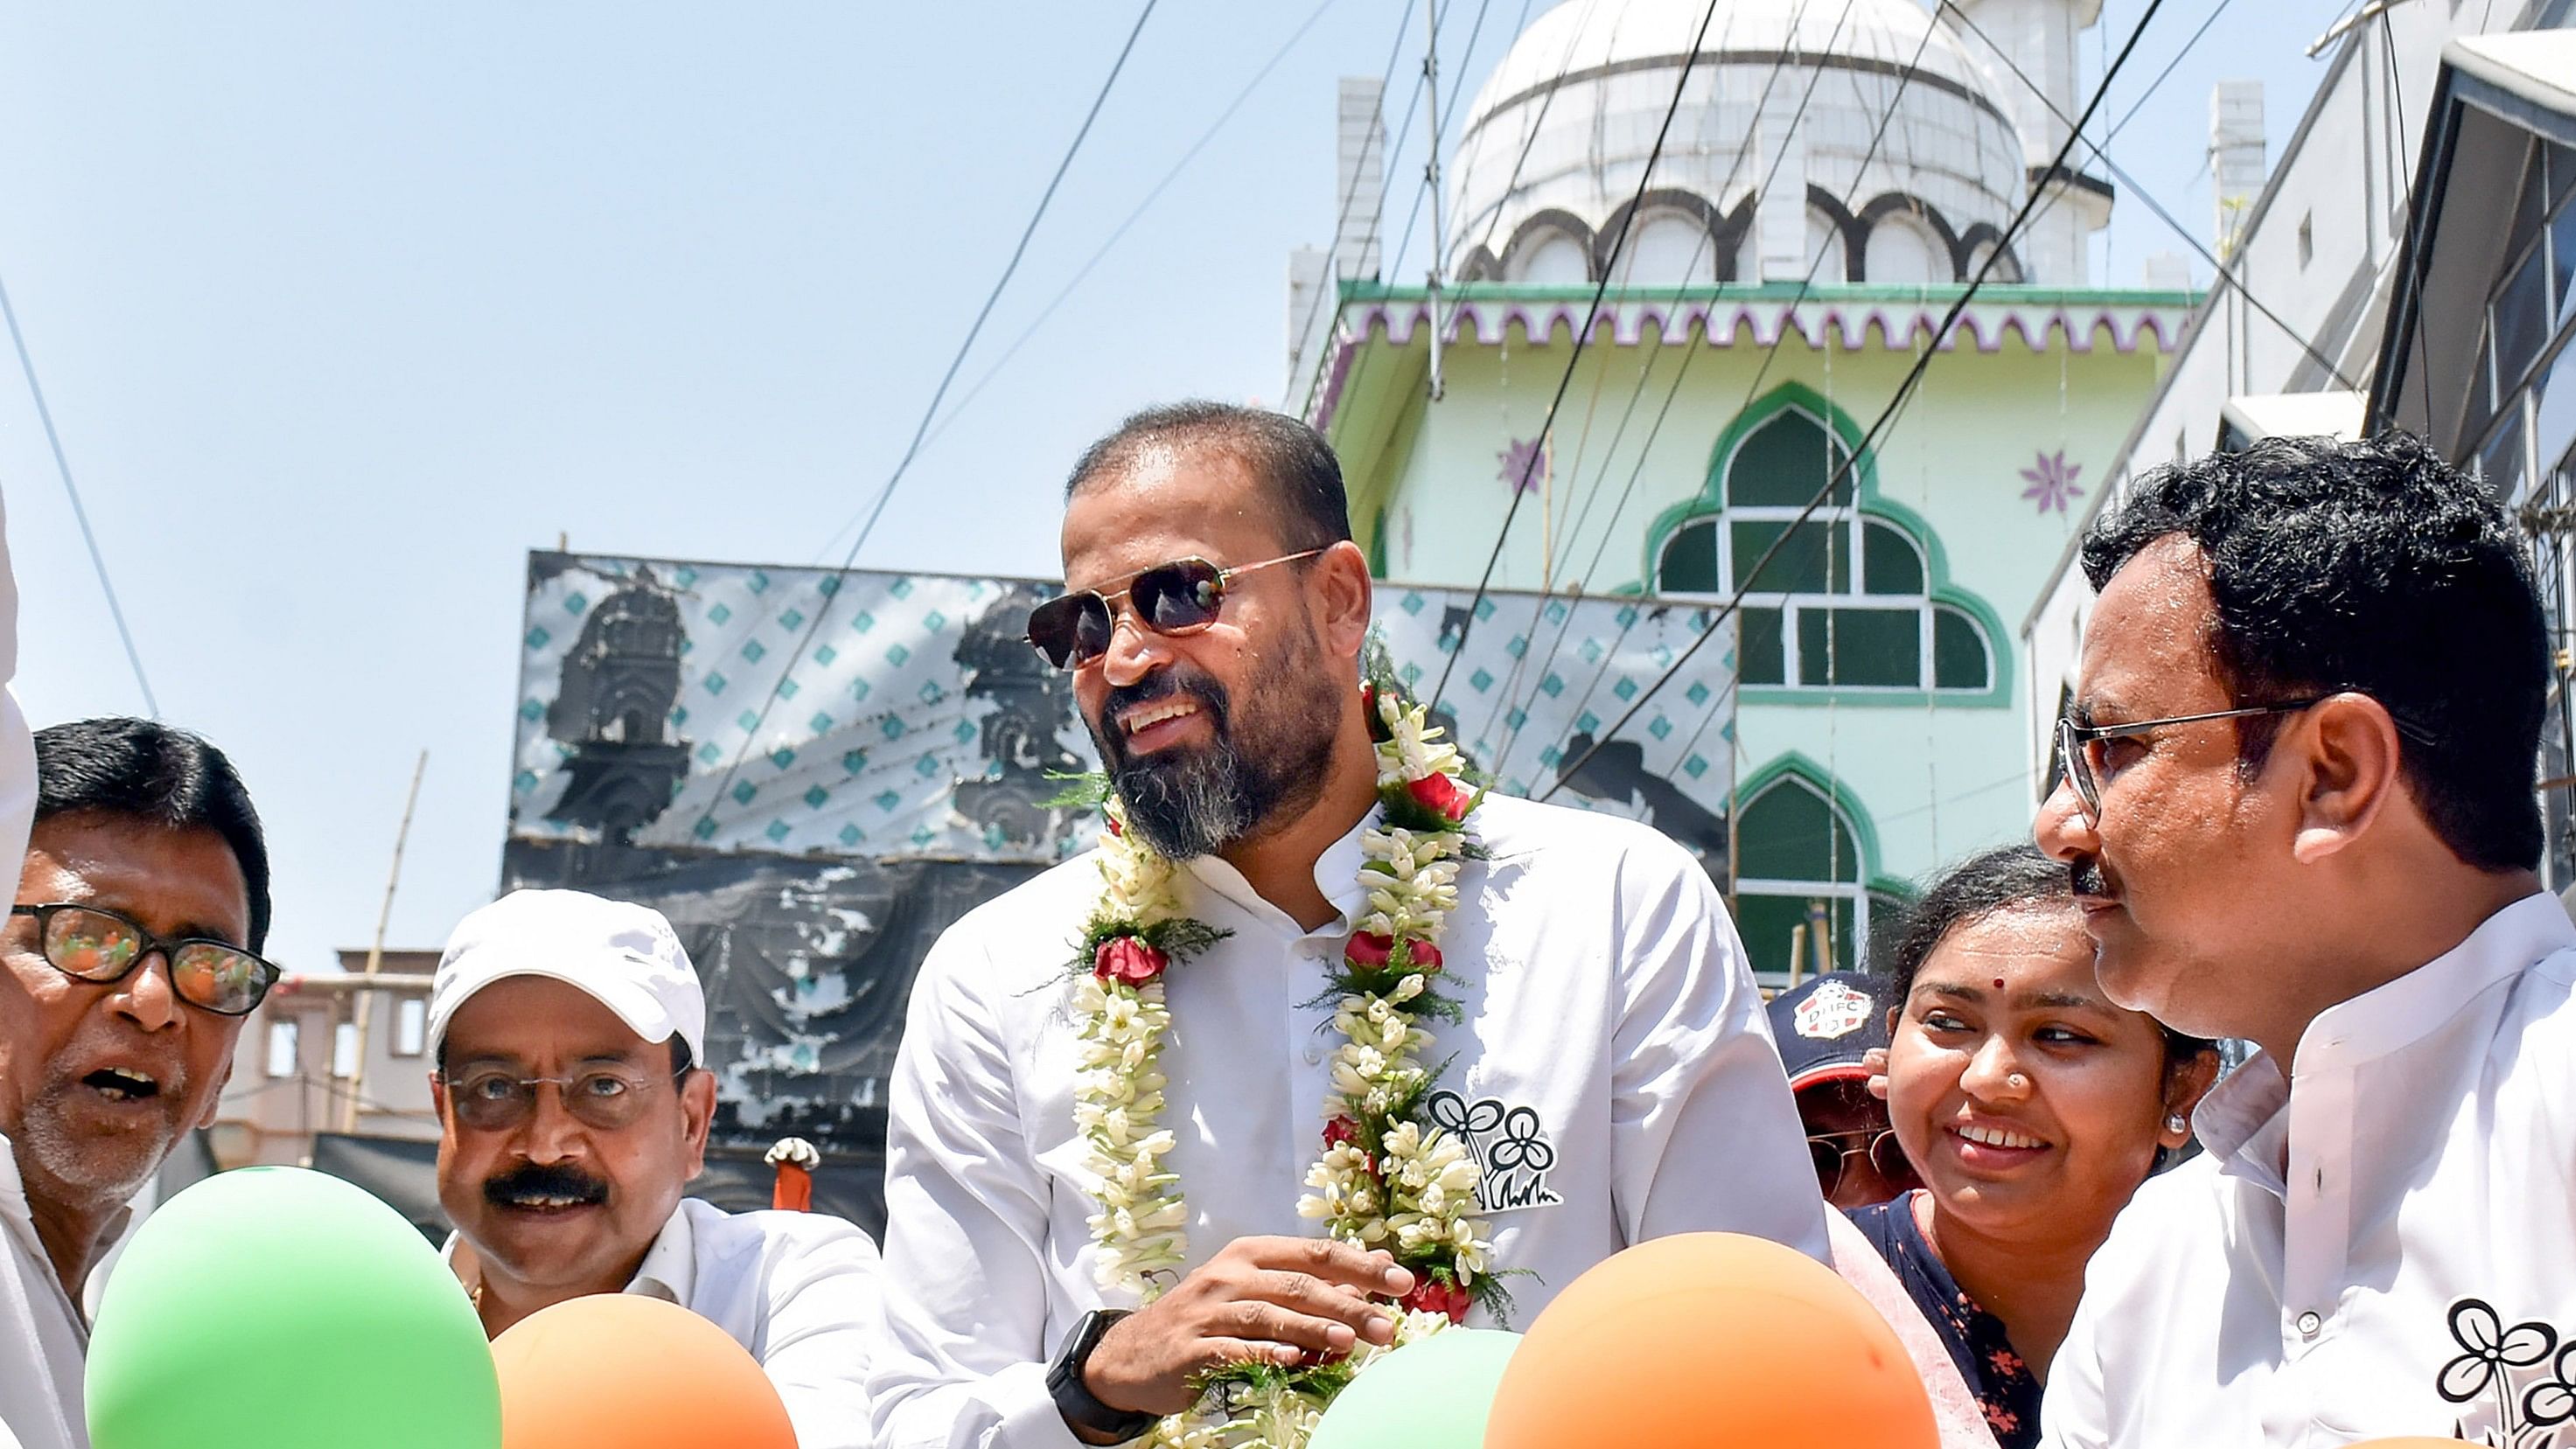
{"type": "Point", "coordinates": [1616, 1071]}
{"type": "Point", "coordinates": [797, 1290]}
{"type": "Point", "coordinates": [2428, 1211]}
{"type": "Point", "coordinates": [44, 1341]}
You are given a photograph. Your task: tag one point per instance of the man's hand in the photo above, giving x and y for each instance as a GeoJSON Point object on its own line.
{"type": "Point", "coordinates": [1272, 1300]}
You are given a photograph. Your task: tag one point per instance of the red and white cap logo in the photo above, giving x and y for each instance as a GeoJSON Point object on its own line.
{"type": "Point", "coordinates": [1832, 1010]}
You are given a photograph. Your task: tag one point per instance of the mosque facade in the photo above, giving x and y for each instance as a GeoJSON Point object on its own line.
{"type": "Point", "coordinates": [1829, 182]}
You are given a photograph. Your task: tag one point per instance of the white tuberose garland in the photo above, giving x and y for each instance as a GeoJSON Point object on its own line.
{"type": "Point", "coordinates": [1384, 1179]}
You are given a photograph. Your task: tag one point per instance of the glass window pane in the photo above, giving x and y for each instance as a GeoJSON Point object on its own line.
{"type": "Point", "coordinates": [1689, 562]}
{"type": "Point", "coordinates": [1789, 832]}
{"type": "Point", "coordinates": [344, 1050]}
{"type": "Point", "coordinates": [2562, 260]}
{"type": "Point", "coordinates": [1769, 925]}
{"type": "Point", "coordinates": [1889, 562]}
{"type": "Point", "coordinates": [1882, 647]}
{"type": "Point", "coordinates": [2528, 204]}
{"type": "Point", "coordinates": [2500, 462]}
{"type": "Point", "coordinates": [1784, 463]}
{"type": "Point", "coordinates": [2521, 320]}
{"type": "Point", "coordinates": [411, 1026]}
{"type": "Point", "coordinates": [1958, 652]}
{"type": "Point", "coordinates": [281, 1049]}
{"type": "Point", "coordinates": [2562, 170]}
{"type": "Point", "coordinates": [1758, 658]}
{"type": "Point", "coordinates": [1816, 560]}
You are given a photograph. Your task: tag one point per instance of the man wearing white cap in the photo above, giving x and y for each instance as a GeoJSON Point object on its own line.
{"type": "Point", "coordinates": [567, 1031]}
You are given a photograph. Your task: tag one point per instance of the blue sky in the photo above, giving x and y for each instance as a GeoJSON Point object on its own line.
{"type": "Point", "coordinates": [341, 308]}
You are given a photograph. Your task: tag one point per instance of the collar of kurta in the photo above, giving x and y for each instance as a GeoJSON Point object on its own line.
{"type": "Point", "coordinates": [1337, 875]}
{"type": "Point", "coordinates": [2382, 1021]}
{"type": "Point", "coordinates": [669, 1270]}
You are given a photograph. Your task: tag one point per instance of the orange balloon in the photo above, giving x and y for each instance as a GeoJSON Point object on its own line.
{"type": "Point", "coordinates": [1711, 1341]}
{"type": "Point", "coordinates": [623, 1371]}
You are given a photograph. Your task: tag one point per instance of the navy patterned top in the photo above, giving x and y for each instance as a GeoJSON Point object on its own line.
{"type": "Point", "coordinates": [2004, 1385]}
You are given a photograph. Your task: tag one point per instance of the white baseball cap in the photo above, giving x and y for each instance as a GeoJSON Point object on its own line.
{"type": "Point", "coordinates": [625, 956]}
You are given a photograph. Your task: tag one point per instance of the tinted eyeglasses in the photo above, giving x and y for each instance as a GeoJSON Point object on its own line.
{"type": "Point", "coordinates": [494, 1100]}
{"type": "Point", "coordinates": [1174, 599]}
{"type": "Point", "coordinates": [91, 943]}
{"type": "Point", "coordinates": [1833, 1152]}
{"type": "Point", "coordinates": [2076, 743]}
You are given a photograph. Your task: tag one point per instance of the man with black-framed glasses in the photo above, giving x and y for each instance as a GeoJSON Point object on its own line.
{"type": "Point", "coordinates": [2297, 805]}
{"type": "Point", "coordinates": [127, 963]}
{"type": "Point", "coordinates": [569, 1032]}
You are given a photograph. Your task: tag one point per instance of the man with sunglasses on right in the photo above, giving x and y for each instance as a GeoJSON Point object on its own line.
{"type": "Point", "coordinates": [126, 966]}
{"type": "Point", "coordinates": [2298, 806]}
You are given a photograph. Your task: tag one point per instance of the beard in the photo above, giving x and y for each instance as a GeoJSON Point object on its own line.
{"type": "Point", "coordinates": [1257, 771]}
{"type": "Point", "coordinates": [94, 1163]}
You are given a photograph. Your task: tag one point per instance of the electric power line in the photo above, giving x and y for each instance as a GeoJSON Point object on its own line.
{"type": "Point", "coordinates": [921, 429]}
{"type": "Point", "coordinates": [1120, 233]}
{"type": "Point", "coordinates": [1904, 390]}
{"type": "Point", "coordinates": [2218, 268]}
{"type": "Point", "coordinates": [1610, 268]}
{"type": "Point", "coordinates": [62, 466]}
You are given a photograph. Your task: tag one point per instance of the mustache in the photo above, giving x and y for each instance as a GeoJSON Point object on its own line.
{"type": "Point", "coordinates": [2086, 875]}
{"type": "Point", "coordinates": [543, 1179]}
{"type": "Point", "coordinates": [1161, 684]}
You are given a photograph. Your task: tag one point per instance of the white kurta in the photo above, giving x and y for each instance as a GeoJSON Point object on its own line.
{"type": "Point", "coordinates": [1615, 1076]}
{"type": "Point", "coordinates": [44, 1341]}
{"type": "Point", "coordinates": [2413, 1272]}
{"type": "Point", "coordinates": [797, 1290]}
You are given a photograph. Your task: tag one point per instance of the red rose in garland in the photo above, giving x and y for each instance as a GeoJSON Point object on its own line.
{"type": "Point", "coordinates": [1442, 795]}
{"type": "Point", "coordinates": [1434, 1296]}
{"type": "Point", "coordinates": [1128, 959]}
{"type": "Point", "coordinates": [1369, 950]}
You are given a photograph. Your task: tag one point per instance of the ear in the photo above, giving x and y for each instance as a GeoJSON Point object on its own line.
{"type": "Point", "coordinates": [697, 1117]}
{"type": "Point", "coordinates": [1339, 594]}
{"type": "Point", "coordinates": [2346, 753]}
{"type": "Point", "coordinates": [2185, 1085]}
{"type": "Point", "coordinates": [438, 1100]}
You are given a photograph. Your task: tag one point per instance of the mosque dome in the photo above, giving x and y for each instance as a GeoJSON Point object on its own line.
{"type": "Point", "coordinates": [1551, 153]}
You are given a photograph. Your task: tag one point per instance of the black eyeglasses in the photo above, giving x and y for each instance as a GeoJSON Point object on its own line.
{"type": "Point", "coordinates": [1174, 599]}
{"type": "Point", "coordinates": [90, 943]}
{"type": "Point", "coordinates": [2075, 742]}
{"type": "Point", "coordinates": [495, 1100]}
{"type": "Point", "coordinates": [1833, 1152]}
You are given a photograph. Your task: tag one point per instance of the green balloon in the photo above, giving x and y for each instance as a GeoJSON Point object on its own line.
{"type": "Point", "coordinates": [275, 1308]}
{"type": "Point", "coordinates": [1430, 1394]}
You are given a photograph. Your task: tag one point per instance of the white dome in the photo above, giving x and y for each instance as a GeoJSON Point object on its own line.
{"type": "Point", "coordinates": [1584, 91]}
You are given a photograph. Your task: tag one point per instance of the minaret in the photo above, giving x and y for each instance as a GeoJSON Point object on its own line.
{"type": "Point", "coordinates": [2039, 38]}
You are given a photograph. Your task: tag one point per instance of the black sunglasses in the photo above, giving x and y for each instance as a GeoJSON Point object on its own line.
{"type": "Point", "coordinates": [1173, 599]}
{"type": "Point", "coordinates": [90, 943]}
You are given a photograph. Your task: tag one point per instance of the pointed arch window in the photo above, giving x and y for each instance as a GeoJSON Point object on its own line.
{"type": "Point", "coordinates": [1798, 864]}
{"type": "Point", "coordinates": [1844, 600]}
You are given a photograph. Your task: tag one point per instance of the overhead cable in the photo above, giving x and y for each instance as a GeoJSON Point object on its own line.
{"type": "Point", "coordinates": [1904, 390]}
{"type": "Point", "coordinates": [920, 430]}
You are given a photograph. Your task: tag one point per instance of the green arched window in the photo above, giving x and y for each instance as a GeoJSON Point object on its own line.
{"type": "Point", "coordinates": [1797, 862]}
{"type": "Point", "coordinates": [1838, 600]}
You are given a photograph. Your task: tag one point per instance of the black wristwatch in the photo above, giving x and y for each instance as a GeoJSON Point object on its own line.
{"type": "Point", "coordinates": [1073, 1397]}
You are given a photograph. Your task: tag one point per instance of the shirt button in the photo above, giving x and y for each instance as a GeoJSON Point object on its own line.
{"type": "Point", "coordinates": [2309, 1323]}
{"type": "Point", "coordinates": [1314, 1054]}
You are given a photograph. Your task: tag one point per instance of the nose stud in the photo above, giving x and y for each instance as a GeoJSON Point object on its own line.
{"type": "Point", "coordinates": [2017, 1082]}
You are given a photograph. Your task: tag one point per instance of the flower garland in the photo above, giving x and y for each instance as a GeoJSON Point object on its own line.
{"type": "Point", "coordinates": [1384, 1179]}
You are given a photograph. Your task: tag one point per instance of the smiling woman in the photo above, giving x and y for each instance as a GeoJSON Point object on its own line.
{"type": "Point", "coordinates": [2030, 1106]}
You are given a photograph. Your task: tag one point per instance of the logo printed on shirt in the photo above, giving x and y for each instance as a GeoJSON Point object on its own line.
{"type": "Point", "coordinates": [1510, 1145]}
{"type": "Point", "coordinates": [1834, 1010]}
{"type": "Point", "coordinates": [2525, 1375]}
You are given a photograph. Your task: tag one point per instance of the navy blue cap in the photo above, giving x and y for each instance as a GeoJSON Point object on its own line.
{"type": "Point", "coordinates": [1823, 1025]}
